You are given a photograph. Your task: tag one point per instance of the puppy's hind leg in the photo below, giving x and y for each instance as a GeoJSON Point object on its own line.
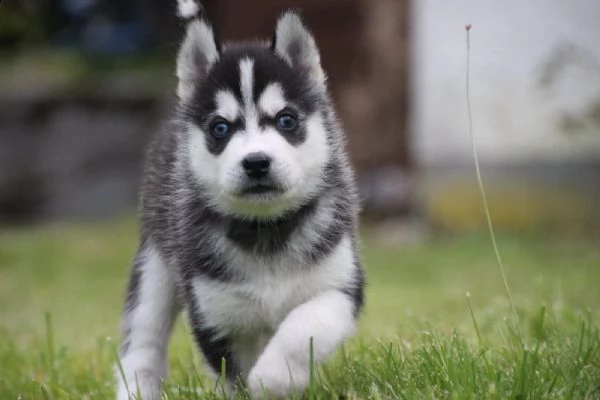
{"type": "Point", "coordinates": [150, 311]}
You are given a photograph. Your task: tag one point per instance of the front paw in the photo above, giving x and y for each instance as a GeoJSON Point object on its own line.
{"type": "Point", "coordinates": [276, 375]}
{"type": "Point", "coordinates": [144, 386]}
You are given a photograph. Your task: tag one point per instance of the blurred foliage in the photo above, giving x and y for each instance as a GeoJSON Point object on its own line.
{"type": "Point", "coordinates": [588, 119]}
{"type": "Point", "coordinates": [70, 69]}
{"type": "Point", "coordinates": [561, 64]}
{"type": "Point", "coordinates": [40, 34]}
{"type": "Point", "coordinates": [20, 25]}
{"type": "Point", "coordinates": [517, 207]}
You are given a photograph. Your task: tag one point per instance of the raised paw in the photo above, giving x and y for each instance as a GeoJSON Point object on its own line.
{"type": "Point", "coordinates": [275, 375]}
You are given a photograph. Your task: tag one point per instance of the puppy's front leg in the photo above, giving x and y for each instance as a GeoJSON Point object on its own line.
{"type": "Point", "coordinates": [150, 312]}
{"type": "Point", "coordinates": [284, 365]}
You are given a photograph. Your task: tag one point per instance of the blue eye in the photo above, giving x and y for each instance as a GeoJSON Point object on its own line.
{"type": "Point", "coordinates": [287, 122]}
{"type": "Point", "coordinates": [220, 129]}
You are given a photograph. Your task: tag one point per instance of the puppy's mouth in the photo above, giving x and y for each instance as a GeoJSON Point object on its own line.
{"type": "Point", "coordinates": [261, 189]}
{"type": "Point", "coordinates": [260, 198]}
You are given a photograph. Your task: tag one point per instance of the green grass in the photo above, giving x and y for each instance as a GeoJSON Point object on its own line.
{"type": "Point", "coordinates": [61, 291]}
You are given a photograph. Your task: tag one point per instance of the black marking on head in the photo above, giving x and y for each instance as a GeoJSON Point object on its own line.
{"type": "Point", "coordinates": [297, 88]}
{"type": "Point", "coordinates": [295, 138]}
{"type": "Point", "coordinates": [268, 68]}
{"type": "Point", "coordinates": [217, 145]}
{"type": "Point", "coordinates": [225, 75]}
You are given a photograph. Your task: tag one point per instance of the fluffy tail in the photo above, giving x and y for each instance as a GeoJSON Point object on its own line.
{"type": "Point", "coordinates": [188, 9]}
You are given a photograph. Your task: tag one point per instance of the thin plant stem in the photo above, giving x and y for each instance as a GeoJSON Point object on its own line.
{"type": "Point", "coordinates": [481, 187]}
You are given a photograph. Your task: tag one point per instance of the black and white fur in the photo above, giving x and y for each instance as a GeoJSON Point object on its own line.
{"type": "Point", "coordinates": [260, 263]}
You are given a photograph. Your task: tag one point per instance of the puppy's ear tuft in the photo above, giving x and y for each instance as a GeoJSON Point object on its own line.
{"type": "Point", "coordinates": [295, 44]}
{"type": "Point", "coordinates": [188, 9]}
{"type": "Point", "coordinates": [198, 53]}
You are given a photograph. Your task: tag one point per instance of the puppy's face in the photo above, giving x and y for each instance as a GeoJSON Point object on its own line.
{"type": "Point", "coordinates": [256, 141]}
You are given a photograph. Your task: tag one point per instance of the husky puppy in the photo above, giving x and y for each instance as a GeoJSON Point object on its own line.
{"type": "Point", "coordinates": [248, 218]}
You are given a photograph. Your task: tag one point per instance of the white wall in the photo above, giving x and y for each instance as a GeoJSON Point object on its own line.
{"type": "Point", "coordinates": [516, 118]}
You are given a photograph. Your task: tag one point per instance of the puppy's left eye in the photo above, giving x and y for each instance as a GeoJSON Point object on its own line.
{"type": "Point", "coordinates": [287, 121]}
{"type": "Point", "coordinates": [220, 129]}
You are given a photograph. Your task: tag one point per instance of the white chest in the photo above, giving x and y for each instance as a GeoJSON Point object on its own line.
{"type": "Point", "coordinates": [271, 291]}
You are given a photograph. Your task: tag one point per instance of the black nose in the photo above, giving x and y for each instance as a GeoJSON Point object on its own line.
{"type": "Point", "coordinates": [256, 165]}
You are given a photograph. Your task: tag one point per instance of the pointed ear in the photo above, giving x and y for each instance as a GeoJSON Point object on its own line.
{"type": "Point", "coordinates": [295, 44]}
{"type": "Point", "coordinates": [196, 56]}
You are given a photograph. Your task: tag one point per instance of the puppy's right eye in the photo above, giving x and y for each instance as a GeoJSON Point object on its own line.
{"type": "Point", "coordinates": [220, 129]}
{"type": "Point", "coordinates": [287, 121]}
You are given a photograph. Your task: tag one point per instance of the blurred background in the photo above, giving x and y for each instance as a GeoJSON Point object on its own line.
{"type": "Point", "coordinates": [85, 83]}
